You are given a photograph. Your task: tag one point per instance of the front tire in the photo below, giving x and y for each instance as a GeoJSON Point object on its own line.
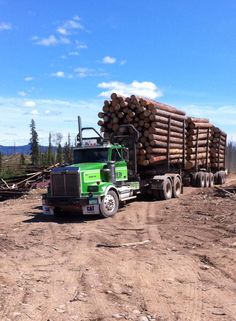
{"type": "Point", "coordinates": [110, 204]}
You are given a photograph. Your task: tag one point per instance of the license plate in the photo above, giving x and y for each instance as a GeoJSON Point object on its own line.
{"type": "Point", "coordinates": [91, 209]}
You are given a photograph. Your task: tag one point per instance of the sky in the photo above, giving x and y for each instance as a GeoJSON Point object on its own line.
{"type": "Point", "coordinates": [62, 58]}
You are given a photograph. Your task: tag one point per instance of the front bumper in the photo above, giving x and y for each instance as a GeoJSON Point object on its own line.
{"type": "Point", "coordinates": [86, 205]}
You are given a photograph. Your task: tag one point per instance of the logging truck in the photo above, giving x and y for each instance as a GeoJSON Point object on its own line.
{"type": "Point", "coordinates": [146, 148]}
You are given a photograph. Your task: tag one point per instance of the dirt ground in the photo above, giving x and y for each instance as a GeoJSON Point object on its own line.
{"type": "Point", "coordinates": [63, 269]}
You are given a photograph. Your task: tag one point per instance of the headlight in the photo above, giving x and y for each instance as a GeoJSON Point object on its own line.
{"type": "Point", "coordinates": [92, 188]}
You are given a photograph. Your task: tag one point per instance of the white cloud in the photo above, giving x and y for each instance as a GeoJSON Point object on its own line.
{"type": "Point", "coordinates": [29, 78]}
{"type": "Point", "coordinates": [89, 72]}
{"type": "Point", "coordinates": [62, 31]}
{"type": "Point", "coordinates": [29, 103]}
{"type": "Point", "coordinates": [109, 60]}
{"type": "Point", "coordinates": [62, 35]}
{"type": "Point", "coordinates": [22, 93]}
{"type": "Point", "coordinates": [73, 53]}
{"type": "Point", "coordinates": [64, 41]}
{"type": "Point", "coordinates": [34, 112]}
{"type": "Point", "coordinates": [123, 62]}
{"type": "Point", "coordinates": [59, 74]}
{"type": "Point", "coordinates": [80, 45]}
{"type": "Point", "coordinates": [146, 89]}
{"type": "Point", "coordinates": [5, 26]}
{"type": "Point", "coordinates": [46, 113]}
{"type": "Point", "coordinates": [49, 41]}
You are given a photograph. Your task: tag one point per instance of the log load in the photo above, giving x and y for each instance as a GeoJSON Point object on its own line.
{"type": "Point", "coordinates": [199, 137]}
{"type": "Point", "coordinates": [161, 127]}
{"type": "Point", "coordinates": [218, 148]}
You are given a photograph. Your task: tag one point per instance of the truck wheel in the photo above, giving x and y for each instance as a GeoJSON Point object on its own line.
{"type": "Point", "coordinates": [177, 186]}
{"type": "Point", "coordinates": [211, 180]}
{"type": "Point", "coordinates": [166, 192]}
{"type": "Point", "coordinates": [194, 179]}
{"type": "Point", "coordinates": [200, 180]}
{"type": "Point", "coordinates": [221, 178]}
{"type": "Point", "coordinates": [207, 179]}
{"type": "Point", "coordinates": [216, 178]}
{"type": "Point", "coordinates": [110, 204]}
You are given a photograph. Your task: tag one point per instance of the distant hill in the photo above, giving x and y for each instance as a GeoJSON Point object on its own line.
{"type": "Point", "coordinates": [25, 149]}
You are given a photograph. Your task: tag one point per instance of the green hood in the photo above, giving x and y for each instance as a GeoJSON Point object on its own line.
{"type": "Point", "coordinates": [89, 166]}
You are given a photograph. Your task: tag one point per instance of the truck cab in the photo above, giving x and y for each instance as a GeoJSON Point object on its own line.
{"type": "Point", "coordinates": [98, 180]}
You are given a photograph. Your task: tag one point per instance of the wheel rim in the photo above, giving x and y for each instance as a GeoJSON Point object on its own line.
{"type": "Point", "coordinates": [109, 203]}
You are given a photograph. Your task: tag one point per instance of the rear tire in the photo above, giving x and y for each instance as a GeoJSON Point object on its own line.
{"type": "Point", "coordinates": [166, 192]}
{"type": "Point", "coordinates": [194, 179]}
{"type": "Point", "coordinates": [110, 204]}
{"type": "Point", "coordinates": [177, 187]}
{"type": "Point", "coordinates": [200, 179]}
{"type": "Point", "coordinates": [221, 178]}
{"type": "Point", "coordinates": [207, 179]}
{"type": "Point", "coordinates": [211, 180]}
{"type": "Point", "coordinates": [216, 178]}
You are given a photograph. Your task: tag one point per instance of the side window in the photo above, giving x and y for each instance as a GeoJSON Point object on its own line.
{"type": "Point", "coordinates": [116, 155]}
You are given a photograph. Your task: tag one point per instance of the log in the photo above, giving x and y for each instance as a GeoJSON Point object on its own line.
{"type": "Point", "coordinates": [165, 126]}
{"type": "Point", "coordinates": [156, 144]}
{"type": "Point", "coordinates": [160, 131]}
{"type": "Point", "coordinates": [153, 150]}
{"type": "Point", "coordinates": [200, 131]}
{"type": "Point", "coordinates": [200, 143]}
{"type": "Point", "coordinates": [192, 150]}
{"type": "Point", "coordinates": [154, 104]}
{"type": "Point", "coordinates": [194, 137]}
{"type": "Point", "coordinates": [165, 138]}
{"type": "Point", "coordinates": [165, 120]}
{"type": "Point", "coordinates": [199, 156]}
{"type": "Point", "coordinates": [200, 125]}
{"type": "Point", "coordinates": [197, 120]}
{"type": "Point", "coordinates": [157, 112]}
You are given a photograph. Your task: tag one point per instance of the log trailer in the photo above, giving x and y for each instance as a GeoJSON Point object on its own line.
{"type": "Point", "coordinates": [106, 173]}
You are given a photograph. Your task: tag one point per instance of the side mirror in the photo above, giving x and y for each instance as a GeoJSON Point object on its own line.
{"type": "Point", "coordinates": [126, 154]}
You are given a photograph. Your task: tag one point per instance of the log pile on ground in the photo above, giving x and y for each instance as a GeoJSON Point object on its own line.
{"type": "Point", "coordinates": [199, 138]}
{"type": "Point", "coordinates": [161, 127]}
{"type": "Point", "coordinates": [218, 147]}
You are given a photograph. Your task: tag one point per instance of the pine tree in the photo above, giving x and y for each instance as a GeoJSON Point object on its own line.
{"type": "Point", "coordinates": [22, 159]}
{"type": "Point", "coordinates": [50, 155]}
{"type": "Point", "coordinates": [67, 151]}
{"type": "Point", "coordinates": [34, 144]}
{"type": "Point", "coordinates": [59, 153]}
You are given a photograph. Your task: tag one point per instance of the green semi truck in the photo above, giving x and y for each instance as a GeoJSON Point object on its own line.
{"type": "Point", "coordinates": [105, 175]}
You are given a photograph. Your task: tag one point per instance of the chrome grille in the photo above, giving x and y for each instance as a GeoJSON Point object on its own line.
{"type": "Point", "coordinates": [65, 182]}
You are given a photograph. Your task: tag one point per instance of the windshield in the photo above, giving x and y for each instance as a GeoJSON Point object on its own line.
{"type": "Point", "coordinates": [96, 155]}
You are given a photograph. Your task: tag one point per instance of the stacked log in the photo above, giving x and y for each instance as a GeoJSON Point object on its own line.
{"type": "Point", "coordinates": [218, 148]}
{"type": "Point", "coordinates": [161, 127]}
{"type": "Point", "coordinates": [198, 142]}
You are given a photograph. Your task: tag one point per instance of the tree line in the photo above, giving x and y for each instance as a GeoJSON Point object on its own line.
{"type": "Point", "coordinates": [56, 153]}
{"type": "Point", "coordinates": [60, 154]}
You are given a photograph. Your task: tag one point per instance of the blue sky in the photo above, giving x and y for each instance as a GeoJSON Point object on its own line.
{"type": "Point", "coordinates": [62, 58]}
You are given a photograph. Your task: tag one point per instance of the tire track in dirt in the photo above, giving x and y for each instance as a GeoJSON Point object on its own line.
{"type": "Point", "coordinates": [188, 281]}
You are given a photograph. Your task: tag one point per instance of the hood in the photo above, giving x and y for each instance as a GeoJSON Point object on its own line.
{"type": "Point", "coordinates": [89, 166]}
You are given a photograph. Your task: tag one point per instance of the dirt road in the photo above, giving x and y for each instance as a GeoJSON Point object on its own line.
{"type": "Point", "coordinates": [63, 269]}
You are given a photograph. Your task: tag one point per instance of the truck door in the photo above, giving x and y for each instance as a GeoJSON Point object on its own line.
{"type": "Point", "coordinates": [120, 164]}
